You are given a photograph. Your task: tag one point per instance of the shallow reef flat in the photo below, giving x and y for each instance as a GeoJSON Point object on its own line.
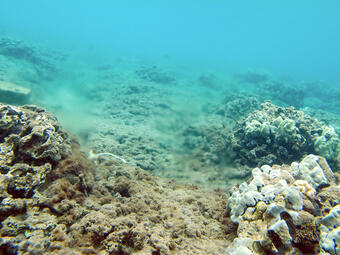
{"type": "Point", "coordinates": [55, 200]}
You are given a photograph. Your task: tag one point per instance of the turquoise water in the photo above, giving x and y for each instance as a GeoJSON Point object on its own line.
{"type": "Point", "coordinates": [298, 39]}
{"type": "Point", "coordinates": [150, 80]}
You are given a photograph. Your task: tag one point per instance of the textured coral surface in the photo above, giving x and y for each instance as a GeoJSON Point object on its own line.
{"type": "Point", "coordinates": [276, 135]}
{"type": "Point", "coordinates": [285, 209]}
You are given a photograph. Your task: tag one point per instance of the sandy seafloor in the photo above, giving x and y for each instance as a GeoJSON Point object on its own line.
{"type": "Point", "coordinates": [160, 116]}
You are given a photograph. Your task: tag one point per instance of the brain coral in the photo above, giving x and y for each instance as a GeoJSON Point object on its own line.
{"type": "Point", "coordinates": [279, 135]}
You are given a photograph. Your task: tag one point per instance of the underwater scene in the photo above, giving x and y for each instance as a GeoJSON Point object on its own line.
{"type": "Point", "coordinates": [170, 127]}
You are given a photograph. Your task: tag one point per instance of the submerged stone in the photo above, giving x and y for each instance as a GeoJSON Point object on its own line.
{"type": "Point", "coordinates": [13, 94]}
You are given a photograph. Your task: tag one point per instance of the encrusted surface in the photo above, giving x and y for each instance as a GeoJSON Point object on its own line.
{"type": "Point", "coordinates": [280, 209]}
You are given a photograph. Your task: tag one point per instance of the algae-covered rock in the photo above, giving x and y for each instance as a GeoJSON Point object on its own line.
{"type": "Point", "coordinates": [35, 155]}
{"type": "Point", "coordinates": [33, 134]}
{"type": "Point", "coordinates": [31, 145]}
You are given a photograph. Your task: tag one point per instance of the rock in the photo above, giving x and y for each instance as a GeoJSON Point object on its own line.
{"type": "Point", "coordinates": [13, 94]}
{"type": "Point", "coordinates": [36, 156]}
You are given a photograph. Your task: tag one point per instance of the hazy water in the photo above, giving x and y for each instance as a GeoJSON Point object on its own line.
{"type": "Point", "coordinates": [296, 38]}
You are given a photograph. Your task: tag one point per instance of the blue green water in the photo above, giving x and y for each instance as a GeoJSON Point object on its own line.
{"type": "Point", "coordinates": [296, 38]}
{"type": "Point", "coordinates": [139, 78]}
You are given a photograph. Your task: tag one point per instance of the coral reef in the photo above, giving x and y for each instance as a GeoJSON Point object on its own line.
{"type": "Point", "coordinates": [124, 114]}
{"type": "Point", "coordinates": [206, 142]}
{"type": "Point", "coordinates": [203, 160]}
{"type": "Point", "coordinates": [237, 106]}
{"type": "Point", "coordinates": [279, 210]}
{"type": "Point", "coordinates": [279, 135]}
{"type": "Point", "coordinates": [27, 64]}
{"type": "Point", "coordinates": [323, 95]}
{"type": "Point", "coordinates": [51, 201]}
